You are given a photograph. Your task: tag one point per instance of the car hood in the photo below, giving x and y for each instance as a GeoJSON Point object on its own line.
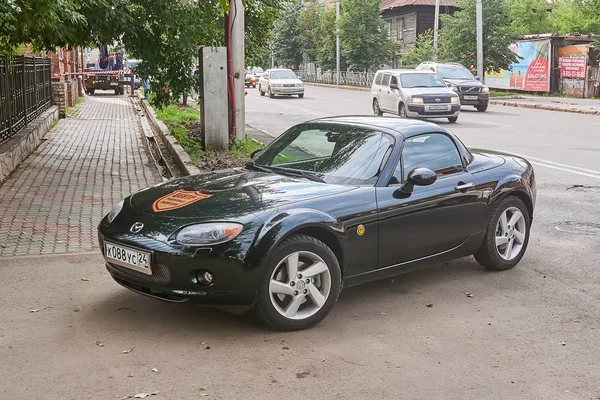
{"type": "Point", "coordinates": [432, 90]}
{"type": "Point", "coordinates": [228, 194]}
{"type": "Point", "coordinates": [285, 81]}
{"type": "Point", "coordinates": [464, 82]}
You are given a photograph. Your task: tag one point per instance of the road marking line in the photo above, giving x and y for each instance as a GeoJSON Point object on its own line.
{"type": "Point", "coordinates": [596, 123]}
{"type": "Point", "coordinates": [541, 160]}
{"type": "Point", "coordinates": [564, 169]}
{"type": "Point", "coordinates": [496, 123]}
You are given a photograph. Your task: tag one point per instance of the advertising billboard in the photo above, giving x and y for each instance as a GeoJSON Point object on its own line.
{"type": "Point", "coordinates": [530, 73]}
{"type": "Point", "coordinates": [572, 61]}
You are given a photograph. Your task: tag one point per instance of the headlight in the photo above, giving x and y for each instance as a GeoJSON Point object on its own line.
{"type": "Point", "coordinates": [416, 100]}
{"type": "Point", "coordinates": [452, 87]}
{"type": "Point", "coordinates": [299, 84]}
{"type": "Point", "coordinates": [208, 234]}
{"type": "Point", "coordinates": [485, 89]}
{"type": "Point", "coordinates": [454, 100]}
{"type": "Point", "coordinates": [115, 211]}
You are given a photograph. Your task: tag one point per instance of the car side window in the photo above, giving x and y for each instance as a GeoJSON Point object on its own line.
{"type": "Point", "coordinates": [394, 80]}
{"type": "Point", "coordinates": [386, 80]}
{"type": "Point", "coordinates": [378, 78]}
{"type": "Point", "coordinates": [435, 151]}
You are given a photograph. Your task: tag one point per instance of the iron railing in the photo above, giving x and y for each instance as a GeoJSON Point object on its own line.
{"type": "Point", "coordinates": [330, 77]}
{"type": "Point", "coordinates": [25, 92]}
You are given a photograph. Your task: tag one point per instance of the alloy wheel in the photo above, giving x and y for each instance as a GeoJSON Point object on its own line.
{"type": "Point", "coordinates": [511, 231]}
{"type": "Point", "coordinates": [300, 285]}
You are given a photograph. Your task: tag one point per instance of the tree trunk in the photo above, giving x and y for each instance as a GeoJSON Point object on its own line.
{"type": "Point", "coordinates": [185, 99]}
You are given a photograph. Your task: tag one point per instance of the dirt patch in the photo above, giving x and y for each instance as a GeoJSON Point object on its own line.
{"type": "Point", "coordinates": [221, 160]}
{"type": "Point", "coordinates": [195, 130]}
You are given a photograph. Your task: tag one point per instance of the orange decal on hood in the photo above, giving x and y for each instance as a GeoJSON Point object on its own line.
{"type": "Point", "coordinates": [177, 199]}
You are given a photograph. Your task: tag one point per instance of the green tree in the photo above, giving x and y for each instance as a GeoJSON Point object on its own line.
{"type": "Point", "coordinates": [324, 39]}
{"type": "Point", "coordinates": [458, 37]}
{"type": "Point", "coordinates": [530, 16]}
{"type": "Point", "coordinates": [309, 19]}
{"type": "Point", "coordinates": [364, 38]}
{"type": "Point", "coordinates": [571, 16]}
{"type": "Point", "coordinates": [423, 50]}
{"type": "Point", "coordinates": [288, 37]}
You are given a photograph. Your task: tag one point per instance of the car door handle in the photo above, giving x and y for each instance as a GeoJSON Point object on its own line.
{"type": "Point", "coordinates": [464, 186]}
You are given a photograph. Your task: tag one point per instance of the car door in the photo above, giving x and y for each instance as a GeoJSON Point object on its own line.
{"type": "Point", "coordinates": [432, 219]}
{"type": "Point", "coordinates": [383, 96]}
{"type": "Point", "coordinates": [264, 81]}
{"type": "Point", "coordinates": [393, 94]}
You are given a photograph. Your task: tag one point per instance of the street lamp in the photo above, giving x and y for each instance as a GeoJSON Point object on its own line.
{"type": "Point", "coordinates": [337, 40]}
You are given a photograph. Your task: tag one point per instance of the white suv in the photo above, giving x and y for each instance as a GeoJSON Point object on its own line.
{"type": "Point", "coordinates": [413, 94]}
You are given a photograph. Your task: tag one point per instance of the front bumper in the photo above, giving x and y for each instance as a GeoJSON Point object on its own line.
{"type": "Point", "coordinates": [174, 273]}
{"type": "Point", "coordinates": [287, 90]}
{"type": "Point", "coordinates": [423, 111]}
{"type": "Point", "coordinates": [474, 99]}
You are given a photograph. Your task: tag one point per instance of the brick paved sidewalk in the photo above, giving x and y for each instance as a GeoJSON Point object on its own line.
{"type": "Point", "coordinates": [54, 200]}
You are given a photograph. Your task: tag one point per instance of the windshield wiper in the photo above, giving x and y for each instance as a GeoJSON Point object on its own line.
{"type": "Point", "coordinates": [295, 172]}
{"type": "Point", "coordinates": [256, 167]}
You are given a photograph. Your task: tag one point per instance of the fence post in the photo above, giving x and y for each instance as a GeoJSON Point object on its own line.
{"type": "Point", "coordinates": [24, 88]}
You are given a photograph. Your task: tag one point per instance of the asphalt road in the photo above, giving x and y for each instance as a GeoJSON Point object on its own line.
{"type": "Point", "coordinates": [529, 333]}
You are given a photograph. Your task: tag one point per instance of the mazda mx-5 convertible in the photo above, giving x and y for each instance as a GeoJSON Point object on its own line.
{"type": "Point", "coordinates": [329, 204]}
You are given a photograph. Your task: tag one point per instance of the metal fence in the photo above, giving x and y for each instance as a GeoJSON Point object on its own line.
{"type": "Point", "coordinates": [25, 92]}
{"type": "Point", "coordinates": [346, 77]}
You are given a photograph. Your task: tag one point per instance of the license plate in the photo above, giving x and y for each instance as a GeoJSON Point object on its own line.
{"type": "Point", "coordinates": [127, 257]}
{"type": "Point", "coordinates": [114, 83]}
{"type": "Point", "coordinates": [437, 108]}
{"type": "Point", "coordinates": [471, 98]}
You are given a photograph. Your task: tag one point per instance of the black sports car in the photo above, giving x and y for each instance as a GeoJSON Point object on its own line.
{"type": "Point", "coordinates": [331, 203]}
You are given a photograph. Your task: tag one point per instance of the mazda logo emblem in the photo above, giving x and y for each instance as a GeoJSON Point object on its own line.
{"type": "Point", "coordinates": [135, 228]}
{"type": "Point", "coordinates": [437, 100]}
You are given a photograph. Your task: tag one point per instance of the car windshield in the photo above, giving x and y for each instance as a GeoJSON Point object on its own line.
{"type": "Point", "coordinates": [254, 71]}
{"type": "Point", "coordinates": [421, 80]}
{"type": "Point", "coordinates": [455, 72]}
{"type": "Point", "coordinates": [283, 75]}
{"type": "Point", "coordinates": [335, 154]}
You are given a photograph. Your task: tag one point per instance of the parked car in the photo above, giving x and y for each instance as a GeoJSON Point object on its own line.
{"type": "Point", "coordinates": [413, 94]}
{"type": "Point", "coordinates": [470, 90]}
{"type": "Point", "coordinates": [252, 76]}
{"type": "Point", "coordinates": [280, 81]}
{"type": "Point", "coordinates": [330, 204]}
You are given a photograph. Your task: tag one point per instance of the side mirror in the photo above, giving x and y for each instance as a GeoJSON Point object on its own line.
{"type": "Point", "coordinates": [418, 177]}
{"type": "Point", "coordinates": [394, 86]}
{"type": "Point", "coordinates": [255, 153]}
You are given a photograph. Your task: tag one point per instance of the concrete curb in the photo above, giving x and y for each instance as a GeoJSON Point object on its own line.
{"type": "Point", "coordinates": [538, 106]}
{"type": "Point", "coordinates": [181, 158]}
{"type": "Point", "coordinates": [355, 88]}
{"type": "Point", "coordinates": [18, 148]}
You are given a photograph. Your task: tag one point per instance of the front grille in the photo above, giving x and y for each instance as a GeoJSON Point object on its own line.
{"type": "Point", "coordinates": [160, 273]}
{"type": "Point", "coordinates": [431, 99]}
{"type": "Point", "coordinates": [290, 85]}
{"type": "Point", "coordinates": [469, 89]}
{"type": "Point", "coordinates": [436, 112]}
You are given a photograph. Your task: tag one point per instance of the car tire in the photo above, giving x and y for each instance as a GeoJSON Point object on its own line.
{"type": "Point", "coordinates": [496, 255]}
{"type": "Point", "coordinates": [293, 297]}
{"type": "Point", "coordinates": [301, 96]}
{"type": "Point", "coordinates": [117, 92]}
{"type": "Point", "coordinates": [253, 86]}
{"type": "Point", "coordinates": [271, 95]}
{"type": "Point", "coordinates": [482, 107]}
{"type": "Point", "coordinates": [261, 91]}
{"type": "Point", "coordinates": [92, 91]}
{"type": "Point", "coordinates": [452, 119]}
{"type": "Point", "coordinates": [402, 111]}
{"type": "Point", "coordinates": [376, 110]}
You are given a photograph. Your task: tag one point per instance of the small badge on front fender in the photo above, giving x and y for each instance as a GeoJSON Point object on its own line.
{"type": "Point", "coordinates": [178, 199]}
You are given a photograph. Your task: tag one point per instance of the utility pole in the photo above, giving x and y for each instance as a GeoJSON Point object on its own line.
{"type": "Point", "coordinates": [436, 26]}
{"type": "Point", "coordinates": [337, 41]}
{"type": "Point", "coordinates": [236, 9]}
{"type": "Point", "coordinates": [479, 12]}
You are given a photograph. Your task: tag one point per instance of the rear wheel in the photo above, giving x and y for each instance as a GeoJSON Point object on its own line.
{"type": "Point", "coordinates": [453, 119]}
{"type": "Point", "coordinates": [402, 111]}
{"type": "Point", "coordinates": [482, 107]}
{"type": "Point", "coordinates": [507, 235]}
{"type": "Point", "coordinates": [376, 110]}
{"type": "Point", "coordinates": [302, 282]}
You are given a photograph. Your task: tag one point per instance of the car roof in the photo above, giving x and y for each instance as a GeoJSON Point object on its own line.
{"type": "Point", "coordinates": [400, 128]}
{"type": "Point", "coordinates": [279, 69]}
{"type": "Point", "coordinates": [404, 71]}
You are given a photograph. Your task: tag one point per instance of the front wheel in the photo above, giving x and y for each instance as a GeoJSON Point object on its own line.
{"type": "Point", "coordinates": [507, 235]}
{"type": "Point", "coordinates": [261, 91]}
{"type": "Point", "coordinates": [402, 111]}
{"type": "Point", "coordinates": [271, 95]}
{"type": "Point", "coordinates": [301, 95]}
{"type": "Point", "coordinates": [301, 284]}
{"type": "Point", "coordinates": [482, 107]}
{"type": "Point", "coordinates": [452, 119]}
